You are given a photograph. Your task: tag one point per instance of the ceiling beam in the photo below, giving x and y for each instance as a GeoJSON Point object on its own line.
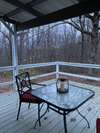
{"type": "Point", "coordinates": [25, 7]}
{"type": "Point", "coordinates": [18, 10]}
{"type": "Point", "coordinates": [66, 13]}
{"type": "Point", "coordinates": [5, 18]}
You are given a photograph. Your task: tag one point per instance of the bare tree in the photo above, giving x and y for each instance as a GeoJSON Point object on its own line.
{"type": "Point", "coordinates": [91, 29]}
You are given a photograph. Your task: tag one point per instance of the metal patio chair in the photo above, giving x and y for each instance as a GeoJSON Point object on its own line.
{"type": "Point", "coordinates": [24, 87]}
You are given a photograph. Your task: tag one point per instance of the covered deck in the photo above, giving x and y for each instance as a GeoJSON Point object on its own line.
{"type": "Point", "coordinates": [52, 122]}
{"type": "Point", "coordinates": [25, 14]}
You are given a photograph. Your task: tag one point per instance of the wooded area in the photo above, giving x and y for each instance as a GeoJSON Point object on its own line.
{"type": "Point", "coordinates": [73, 40]}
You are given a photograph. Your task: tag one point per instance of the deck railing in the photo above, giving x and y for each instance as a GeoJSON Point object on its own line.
{"type": "Point", "coordinates": [57, 71]}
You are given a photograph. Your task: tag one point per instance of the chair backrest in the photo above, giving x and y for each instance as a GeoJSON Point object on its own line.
{"type": "Point", "coordinates": [23, 82]}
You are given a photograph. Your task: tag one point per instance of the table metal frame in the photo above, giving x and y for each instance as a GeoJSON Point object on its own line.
{"type": "Point", "coordinates": [62, 111]}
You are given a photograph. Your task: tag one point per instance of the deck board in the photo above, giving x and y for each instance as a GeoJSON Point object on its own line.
{"type": "Point", "coordinates": [54, 121]}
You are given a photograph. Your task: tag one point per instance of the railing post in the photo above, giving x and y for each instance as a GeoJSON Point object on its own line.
{"type": "Point", "coordinates": [57, 71]}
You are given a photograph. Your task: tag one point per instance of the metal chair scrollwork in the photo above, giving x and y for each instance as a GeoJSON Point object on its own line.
{"type": "Point", "coordinates": [24, 87]}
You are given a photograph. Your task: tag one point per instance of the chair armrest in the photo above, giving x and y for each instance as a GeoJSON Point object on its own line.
{"type": "Point", "coordinates": [38, 84]}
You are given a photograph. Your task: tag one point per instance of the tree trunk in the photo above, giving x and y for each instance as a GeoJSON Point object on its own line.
{"type": "Point", "coordinates": [82, 47]}
{"type": "Point", "coordinates": [94, 40]}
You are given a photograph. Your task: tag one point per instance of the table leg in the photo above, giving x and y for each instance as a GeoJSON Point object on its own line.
{"type": "Point", "coordinates": [40, 116]}
{"type": "Point", "coordinates": [65, 124]}
{"type": "Point", "coordinates": [83, 118]}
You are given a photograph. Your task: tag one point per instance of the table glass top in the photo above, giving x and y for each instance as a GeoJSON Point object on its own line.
{"type": "Point", "coordinates": [65, 101]}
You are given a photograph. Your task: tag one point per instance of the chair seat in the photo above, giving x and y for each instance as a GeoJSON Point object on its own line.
{"type": "Point", "coordinates": [27, 97]}
{"type": "Point", "coordinates": [98, 125]}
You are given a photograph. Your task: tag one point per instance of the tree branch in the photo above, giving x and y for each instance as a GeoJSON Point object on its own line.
{"type": "Point", "coordinates": [78, 28]}
{"type": "Point", "coordinates": [5, 35]}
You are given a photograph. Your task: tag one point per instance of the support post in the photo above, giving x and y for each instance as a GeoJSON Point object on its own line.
{"type": "Point", "coordinates": [14, 48]}
{"type": "Point", "coordinates": [57, 71]}
{"type": "Point", "coordinates": [14, 54]}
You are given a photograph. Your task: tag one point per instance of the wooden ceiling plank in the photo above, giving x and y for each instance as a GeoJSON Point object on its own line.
{"type": "Point", "coordinates": [18, 10]}
{"type": "Point", "coordinates": [25, 7]}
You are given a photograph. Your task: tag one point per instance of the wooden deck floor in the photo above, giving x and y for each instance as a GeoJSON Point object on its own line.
{"type": "Point", "coordinates": [54, 121]}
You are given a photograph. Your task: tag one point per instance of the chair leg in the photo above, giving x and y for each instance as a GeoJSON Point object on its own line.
{"type": "Point", "coordinates": [39, 114]}
{"type": "Point", "coordinates": [18, 110]}
{"type": "Point", "coordinates": [29, 105]}
{"type": "Point", "coordinates": [48, 107]}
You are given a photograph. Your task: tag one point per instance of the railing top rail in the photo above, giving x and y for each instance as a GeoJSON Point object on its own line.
{"type": "Point", "coordinates": [37, 65]}
{"type": "Point", "coordinates": [6, 68]}
{"type": "Point", "coordinates": [71, 64]}
{"type": "Point", "coordinates": [83, 65]}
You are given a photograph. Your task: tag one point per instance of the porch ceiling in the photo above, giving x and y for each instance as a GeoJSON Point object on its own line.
{"type": "Point", "coordinates": [31, 13]}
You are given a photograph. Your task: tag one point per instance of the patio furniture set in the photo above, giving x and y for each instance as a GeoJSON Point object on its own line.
{"type": "Point", "coordinates": [61, 102]}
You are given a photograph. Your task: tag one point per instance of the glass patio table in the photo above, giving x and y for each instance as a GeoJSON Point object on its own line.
{"type": "Point", "coordinates": [64, 103]}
